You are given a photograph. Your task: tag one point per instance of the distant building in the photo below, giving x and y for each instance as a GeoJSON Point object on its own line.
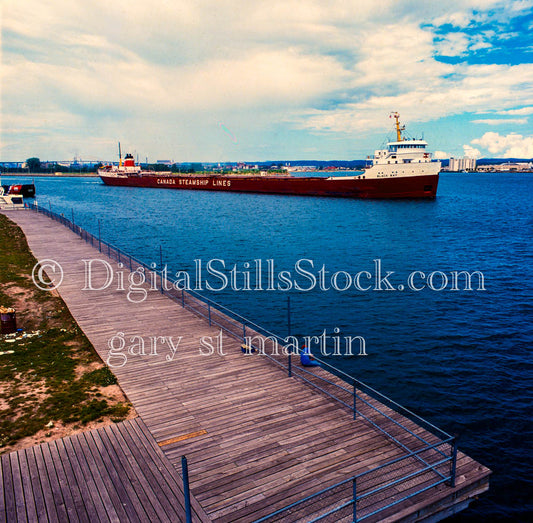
{"type": "Point", "coordinates": [507, 167]}
{"type": "Point", "coordinates": [13, 165]}
{"type": "Point", "coordinates": [462, 164]}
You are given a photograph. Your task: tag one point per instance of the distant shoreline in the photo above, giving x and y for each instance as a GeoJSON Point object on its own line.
{"type": "Point", "coordinates": [484, 171]}
{"type": "Point", "coordinates": [51, 175]}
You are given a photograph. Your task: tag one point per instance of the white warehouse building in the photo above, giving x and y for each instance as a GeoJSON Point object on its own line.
{"type": "Point", "coordinates": [462, 164]}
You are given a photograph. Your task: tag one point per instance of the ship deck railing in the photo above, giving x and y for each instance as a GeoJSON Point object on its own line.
{"type": "Point", "coordinates": [371, 495]}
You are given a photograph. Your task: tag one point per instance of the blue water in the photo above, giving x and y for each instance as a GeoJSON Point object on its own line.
{"type": "Point", "coordinates": [461, 359]}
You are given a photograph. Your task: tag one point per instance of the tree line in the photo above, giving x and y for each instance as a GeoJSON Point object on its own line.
{"type": "Point", "coordinates": [34, 165]}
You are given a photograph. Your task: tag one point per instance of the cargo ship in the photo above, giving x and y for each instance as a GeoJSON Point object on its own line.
{"type": "Point", "coordinates": [403, 170]}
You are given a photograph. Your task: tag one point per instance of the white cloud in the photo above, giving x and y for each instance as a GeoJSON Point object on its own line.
{"type": "Point", "coordinates": [459, 19]}
{"type": "Point", "coordinates": [256, 78]}
{"type": "Point", "coordinates": [441, 155]}
{"type": "Point", "coordinates": [506, 121]}
{"type": "Point", "coordinates": [397, 59]}
{"type": "Point", "coordinates": [481, 41]}
{"type": "Point", "coordinates": [471, 152]}
{"type": "Point", "coordinates": [523, 111]}
{"type": "Point", "coordinates": [432, 95]}
{"type": "Point", "coordinates": [509, 146]}
{"type": "Point", "coordinates": [521, 5]}
{"type": "Point", "coordinates": [458, 44]}
{"type": "Point", "coordinates": [453, 44]}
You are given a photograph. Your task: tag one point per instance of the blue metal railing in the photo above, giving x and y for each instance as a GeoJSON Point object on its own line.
{"type": "Point", "coordinates": [358, 486]}
{"type": "Point", "coordinates": [436, 454]}
{"type": "Point", "coordinates": [186, 489]}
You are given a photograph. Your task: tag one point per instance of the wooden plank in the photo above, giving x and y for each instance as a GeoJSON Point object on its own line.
{"type": "Point", "coordinates": [29, 500]}
{"type": "Point", "coordinates": [68, 483]}
{"type": "Point", "coordinates": [63, 512]}
{"type": "Point", "coordinates": [106, 479]}
{"type": "Point", "coordinates": [3, 511]}
{"type": "Point", "coordinates": [135, 476]}
{"type": "Point", "coordinates": [182, 437]}
{"type": "Point", "coordinates": [125, 495]}
{"type": "Point", "coordinates": [174, 480]}
{"type": "Point", "coordinates": [152, 471]}
{"type": "Point", "coordinates": [39, 480]}
{"type": "Point", "coordinates": [160, 502]}
{"type": "Point", "coordinates": [18, 490]}
{"type": "Point", "coordinates": [9, 492]}
{"type": "Point", "coordinates": [78, 473]}
{"type": "Point", "coordinates": [100, 495]}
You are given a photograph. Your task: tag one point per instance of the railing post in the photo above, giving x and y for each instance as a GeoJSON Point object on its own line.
{"type": "Point", "coordinates": [354, 401]}
{"type": "Point", "coordinates": [289, 357]}
{"type": "Point", "coordinates": [209, 312]}
{"type": "Point", "coordinates": [244, 333]}
{"type": "Point", "coordinates": [454, 462]}
{"type": "Point", "coordinates": [186, 490]}
{"type": "Point", "coordinates": [289, 315]}
{"type": "Point", "coordinates": [161, 265]}
{"type": "Point", "coordinates": [108, 250]}
{"type": "Point", "coordinates": [354, 493]}
{"type": "Point", "coordinates": [131, 270]}
{"type": "Point", "coordinates": [118, 255]}
{"type": "Point", "coordinates": [99, 237]}
{"type": "Point", "coordinates": [182, 298]}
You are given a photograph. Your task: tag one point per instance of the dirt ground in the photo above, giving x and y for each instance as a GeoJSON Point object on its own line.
{"type": "Point", "coordinates": [52, 382]}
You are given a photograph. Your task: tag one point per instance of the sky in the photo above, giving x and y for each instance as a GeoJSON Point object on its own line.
{"type": "Point", "coordinates": [259, 80]}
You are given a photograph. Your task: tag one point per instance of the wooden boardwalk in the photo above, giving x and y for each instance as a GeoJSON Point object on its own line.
{"type": "Point", "coordinates": [255, 439]}
{"type": "Point", "coordinates": [116, 473]}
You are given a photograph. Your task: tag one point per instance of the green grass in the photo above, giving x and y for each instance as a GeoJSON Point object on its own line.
{"type": "Point", "coordinates": [14, 254]}
{"type": "Point", "coordinates": [41, 381]}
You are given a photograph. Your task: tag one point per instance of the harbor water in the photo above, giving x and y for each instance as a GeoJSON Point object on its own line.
{"type": "Point", "coordinates": [460, 358]}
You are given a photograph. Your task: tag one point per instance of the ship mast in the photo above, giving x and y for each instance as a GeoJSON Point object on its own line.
{"type": "Point", "coordinates": [119, 156]}
{"type": "Point", "coordinates": [399, 128]}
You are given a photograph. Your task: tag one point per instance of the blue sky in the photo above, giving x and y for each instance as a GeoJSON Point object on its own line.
{"type": "Point", "coordinates": [216, 80]}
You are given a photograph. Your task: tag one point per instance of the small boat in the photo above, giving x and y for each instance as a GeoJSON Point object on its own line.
{"type": "Point", "coordinates": [10, 201]}
{"type": "Point", "coordinates": [27, 190]}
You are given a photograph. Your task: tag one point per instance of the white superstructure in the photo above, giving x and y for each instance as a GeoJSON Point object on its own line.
{"type": "Point", "coordinates": [404, 157]}
{"type": "Point", "coordinates": [126, 168]}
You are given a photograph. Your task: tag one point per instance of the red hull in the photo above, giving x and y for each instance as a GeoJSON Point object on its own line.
{"type": "Point", "coordinates": [400, 187]}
